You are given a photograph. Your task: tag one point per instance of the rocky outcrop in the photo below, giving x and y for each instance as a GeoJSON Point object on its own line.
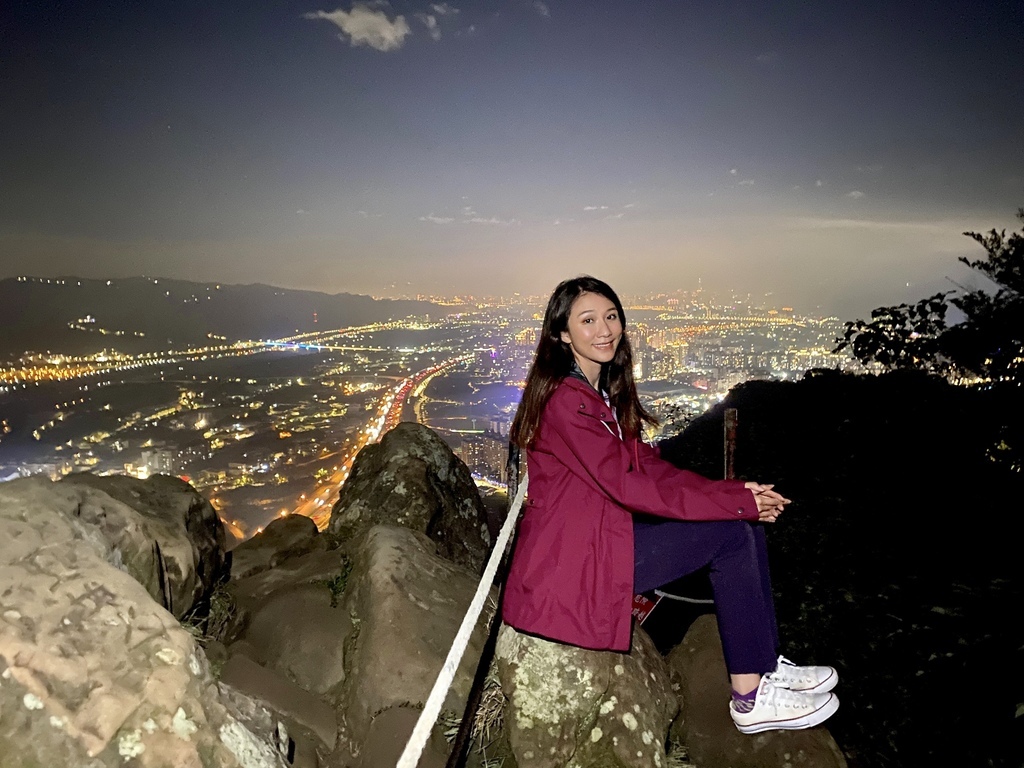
{"type": "Point", "coordinates": [160, 530]}
{"type": "Point", "coordinates": [298, 708]}
{"type": "Point", "coordinates": [328, 654]}
{"type": "Point", "coordinates": [289, 619]}
{"type": "Point", "coordinates": [573, 708]}
{"type": "Point", "coordinates": [359, 636]}
{"type": "Point", "coordinates": [407, 604]}
{"type": "Point", "coordinates": [283, 538]}
{"type": "Point", "coordinates": [93, 671]}
{"type": "Point", "coordinates": [704, 725]}
{"type": "Point", "coordinates": [412, 479]}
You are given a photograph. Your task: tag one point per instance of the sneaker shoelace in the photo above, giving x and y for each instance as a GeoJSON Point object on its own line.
{"type": "Point", "coordinates": [778, 697]}
{"type": "Point", "coordinates": [787, 672]}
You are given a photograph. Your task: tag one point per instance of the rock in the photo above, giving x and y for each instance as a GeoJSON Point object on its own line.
{"type": "Point", "coordinates": [704, 725]}
{"type": "Point", "coordinates": [282, 696]}
{"type": "Point", "coordinates": [406, 604]}
{"type": "Point", "coordinates": [297, 745]}
{"type": "Point", "coordinates": [386, 738]}
{"type": "Point", "coordinates": [283, 618]}
{"type": "Point", "coordinates": [283, 538]}
{"type": "Point", "coordinates": [93, 672]}
{"type": "Point", "coordinates": [575, 708]}
{"type": "Point", "coordinates": [166, 535]}
{"type": "Point", "coordinates": [412, 479]}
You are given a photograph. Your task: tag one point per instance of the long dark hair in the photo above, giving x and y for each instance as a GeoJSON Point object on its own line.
{"type": "Point", "coordinates": [554, 361]}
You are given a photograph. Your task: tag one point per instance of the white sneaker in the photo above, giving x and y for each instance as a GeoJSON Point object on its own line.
{"type": "Point", "coordinates": [780, 708]}
{"type": "Point", "coordinates": [804, 679]}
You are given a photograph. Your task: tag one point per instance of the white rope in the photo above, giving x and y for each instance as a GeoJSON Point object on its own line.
{"type": "Point", "coordinates": [418, 740]}
{"type": "Point", "coordinates": [682, 599]}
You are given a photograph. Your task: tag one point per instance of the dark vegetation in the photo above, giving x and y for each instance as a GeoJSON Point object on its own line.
{"type": "Point", "coordinates": [898, 560]}
{"type": "Point", "coordinates": [337, 583]}
{"type": "Point", "coordinates": [984, 349]}
{"type": "Point", "coordinates": [987, 343]}
{"type": "Point", "coordinates": [35, 314]}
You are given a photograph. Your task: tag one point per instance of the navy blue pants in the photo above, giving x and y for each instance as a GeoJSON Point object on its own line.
{"type": "Point", "coordinates": [737, 554]}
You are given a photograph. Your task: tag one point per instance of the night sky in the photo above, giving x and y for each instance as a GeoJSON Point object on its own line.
{"type": "Point", "coordinates": [831, 153]}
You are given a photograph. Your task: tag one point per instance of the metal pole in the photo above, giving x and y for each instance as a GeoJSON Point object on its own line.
{"type": "Point", "coordinates": [731, 421]}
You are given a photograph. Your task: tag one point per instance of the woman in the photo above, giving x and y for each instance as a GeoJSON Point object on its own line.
{"type": "Point", "coordinates": [607, 518]}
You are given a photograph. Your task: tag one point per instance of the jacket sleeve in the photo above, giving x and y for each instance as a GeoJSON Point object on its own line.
{"type": "Point", "coordinates": [647, 451]}
{"type": "Point", "coordinates": [656, 487]}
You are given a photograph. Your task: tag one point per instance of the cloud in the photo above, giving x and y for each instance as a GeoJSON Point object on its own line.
{"type": "Point", "coordinates": [618, 215]}
{"type": "Point", "coordinates": [437, 219]}
{"type": "Point", "coordinates": [940, 228]}
{"type": "Point", "coordinates": [595, 207]}
{"type": "Point", "coordinates": [494, 220]}
{"type": "Point", "coordinates": [747, 183]}
{"type": "Point", "coordinates": [444, 9]}
{"type": "Point", "coordinates": [365, 26]}
{"type": "Point", "coordinates": [770, 57]}
{"type": "Point", "coordinates": [629, 205]}
{"type": "Point", "coordinates": [542, 8]}
{"type": "Point", "coordinates": [430, 22]}
{"type": "Point", "coordinates": [468, 211]}
{"type": "Point", "coordinates": [733, 171]}
{"type": "Point", "coordinates": [819, 183]}
{"type": "Point", "coordinates": [856, 194]}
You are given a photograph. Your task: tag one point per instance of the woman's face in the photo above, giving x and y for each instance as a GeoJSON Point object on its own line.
{"type": "Point", "coordinates": [593, 333]}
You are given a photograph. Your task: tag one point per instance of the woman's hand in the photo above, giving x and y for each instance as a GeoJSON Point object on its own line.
{"type": "Point", "coordinates": [769, 503]}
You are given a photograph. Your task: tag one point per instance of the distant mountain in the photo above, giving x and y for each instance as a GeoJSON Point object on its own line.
{"type": "Point", "coordinates": [39, 313]}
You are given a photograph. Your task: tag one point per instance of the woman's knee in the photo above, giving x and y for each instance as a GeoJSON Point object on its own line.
{"type": "Point", "coordinates": [737, 536]}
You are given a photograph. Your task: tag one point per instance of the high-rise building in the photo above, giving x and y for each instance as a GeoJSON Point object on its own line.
{"type": "Point", "coordinates": [157, 461]}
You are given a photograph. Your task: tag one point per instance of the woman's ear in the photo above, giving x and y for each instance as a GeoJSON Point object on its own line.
{"type": "Point", "coordinates": [566, 338]}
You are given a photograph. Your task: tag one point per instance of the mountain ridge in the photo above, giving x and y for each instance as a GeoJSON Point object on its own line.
{"type": "Point", "coordinates": [75, 315]}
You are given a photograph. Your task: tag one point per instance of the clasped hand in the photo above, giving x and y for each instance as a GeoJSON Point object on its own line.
{"type": "Point", "coordinates": [769, 503]}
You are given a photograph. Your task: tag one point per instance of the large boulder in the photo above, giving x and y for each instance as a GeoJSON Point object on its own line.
{"type": "Point", "coordinates": [407, 604]}
{"type": "Point", "coordinates": [361, 636]}
{"type": "Point", "coordinates": [93, 671]}
{"type": "Point", "coordinates": [283, 538]}
{"type": "Point", "coordinates": [569, 707]}
{"type": "Point", "coordinates": [297, 707]}
{"type": "Point", "coordinates": [706, 728]}
{"type": "Point", "coordinates": [289, 619]}
{"type": "Point", "coordinates": [412, 479]}
{"type": "Point", "coordinates": [161, 530]}
{"type": "Point", "coordinates": [285, 631]}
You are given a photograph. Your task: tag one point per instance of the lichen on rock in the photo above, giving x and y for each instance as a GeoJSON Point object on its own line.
{"type": "Point", "coordinates": [563, 703]}
{"type": "Point", "coordinates": [411, 478]}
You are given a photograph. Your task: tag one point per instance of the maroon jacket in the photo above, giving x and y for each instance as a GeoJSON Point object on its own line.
{"type": "Point", "coordinates": [571, 577]}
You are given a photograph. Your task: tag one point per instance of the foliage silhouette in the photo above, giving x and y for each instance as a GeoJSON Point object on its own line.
{"type": "Point", "coordinates": [896, 560]}
{"type": "Point", "coordinates": [988, 344]}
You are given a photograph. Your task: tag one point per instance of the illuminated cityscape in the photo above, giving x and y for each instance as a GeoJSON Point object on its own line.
{"type": "Point", "coordinates": [270, 427]}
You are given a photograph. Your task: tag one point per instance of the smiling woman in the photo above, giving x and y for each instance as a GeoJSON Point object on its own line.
{"type": "Point", "coordinates": [593, 333]}
{"type": "Point", "coordinates": [607, 517]}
